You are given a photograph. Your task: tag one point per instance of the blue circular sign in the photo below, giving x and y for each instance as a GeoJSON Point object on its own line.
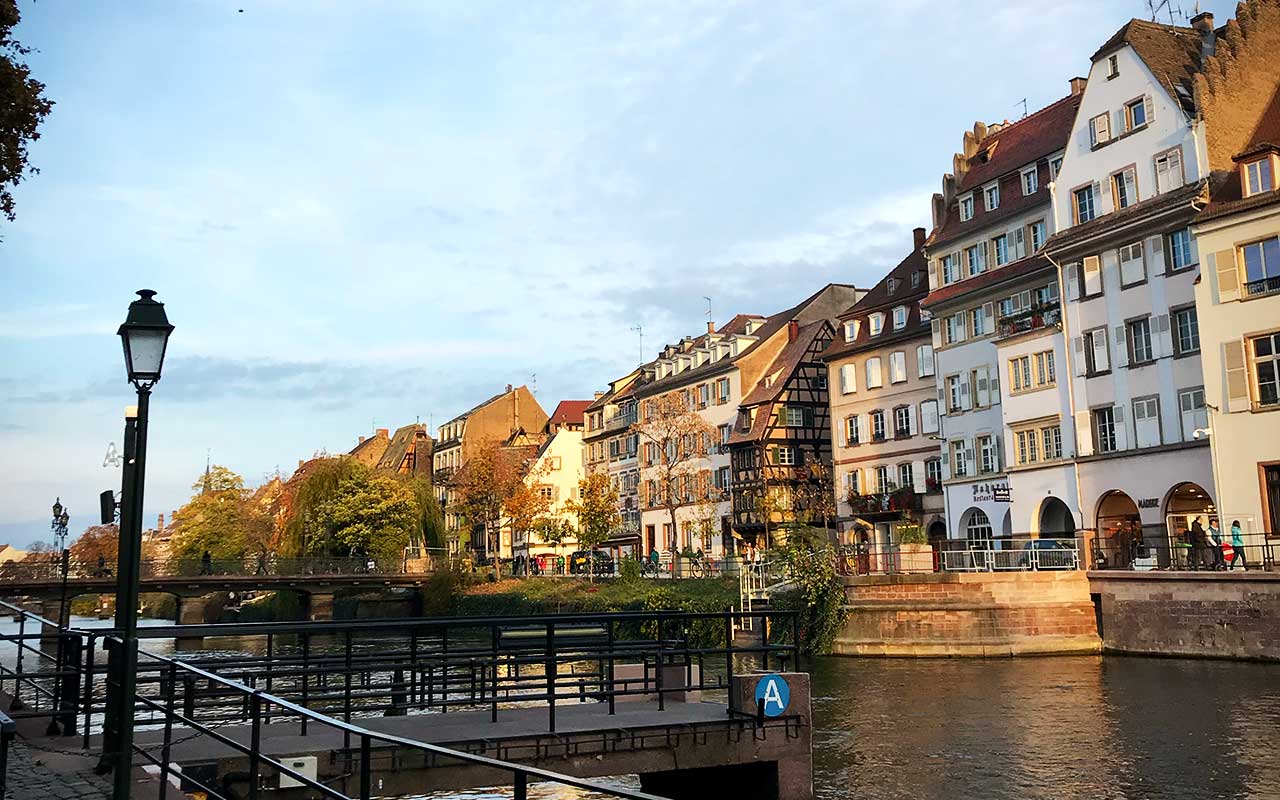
{"type": "Point", "coordinates": [775, 693]}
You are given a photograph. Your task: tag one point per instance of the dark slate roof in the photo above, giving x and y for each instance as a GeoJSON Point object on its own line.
{"type": "Point", "coordinates": [1028, 141]}
{"type": "Point", "coordinates": [401, 442]}
{"type": "Point", "coordinates": [1065, 239]}
{"type": "Point", "coordinates": [879, 299]}
{"type": "Point", "coordinates": [786, 363]}
{"type": "Point", "coordinates": [988, 279]}
{"type": "Point", "coordinates": [1172, 53]}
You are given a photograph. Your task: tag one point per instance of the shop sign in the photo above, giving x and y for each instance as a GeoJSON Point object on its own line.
{"type": "Point", "coordinates": [991, 492]}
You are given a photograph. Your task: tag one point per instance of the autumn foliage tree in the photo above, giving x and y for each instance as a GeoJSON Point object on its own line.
{"type": "Point", "coordinates": [490, 476]}
{"type": "Point", "coordinates": [23, 107]}
{"type": "Point", "coordinates": [218, 519]}
{"type": "Point", "coordinates": [97, 542]}
{"type": "Point", "coordinates": [596, 508]}
{"type": "Point", "coordinates": [678, 441]}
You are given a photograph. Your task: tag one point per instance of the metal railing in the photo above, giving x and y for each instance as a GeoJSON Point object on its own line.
{"type": "Point", "coordinates": [958, 555]}
{"type": "Point", "coordinates": [1177, 552]}
{"type": "Point", "coordinates": [1032, 319]}
{"type": "Point", "coordinates": [1262, 286]}
{"type": "Point", "coordinates": [50, 570]}
{"type": "Point", "coordinates": [8, 731]}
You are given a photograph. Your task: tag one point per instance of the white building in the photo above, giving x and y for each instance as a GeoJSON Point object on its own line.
{"type": "Point", "coordinates": [1132, 179]}
{"type": "Point", "coordinates": [555, 472]}
{"type": "Point", "coordinates": [986, 278]}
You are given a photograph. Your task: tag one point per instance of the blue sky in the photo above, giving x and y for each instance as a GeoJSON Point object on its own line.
{"type": "Point", "coordinates": [359, 214]}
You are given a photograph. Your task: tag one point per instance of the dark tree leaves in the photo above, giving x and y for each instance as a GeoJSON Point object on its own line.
{"type": "Point", "coordinates": [22, 108]}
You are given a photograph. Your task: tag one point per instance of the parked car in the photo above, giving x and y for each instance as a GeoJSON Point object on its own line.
{"type": "Point", "coordinates": [596, 562]}
{"type": "Point", "coordinates": [1048, 554]}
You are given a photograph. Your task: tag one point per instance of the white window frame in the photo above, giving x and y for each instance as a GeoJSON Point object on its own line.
{"type": "Point", "coordinates": [875, 373]}
{"type": "Point", "coordinates": [1000, 249]}
{"type": "Point", "coordinates": [1124, 187]}
{"type": "Point", "coordinates": [966, 202]}
{"type": "Point", "coordinates": [899, 318]}
{"type": "Point", "coordinates": [925, 366]}
{"type": "Point", "coordinates": [1030, 181]}
{"type": "Point", "coordinates": [1181, 249]}
{"type": "Point", "coordinates": [1177, 317]}
{"type": "Point", "coordinates": [991, 196]}
{"type": "Point", "coordinates": [1254, 176]}
{"type": "Point", "coordinates": [898, 366]}
{"type": "Point", "coordinates": [1038, 235]}
{"type": "Point", "coordinates": [876, 321]}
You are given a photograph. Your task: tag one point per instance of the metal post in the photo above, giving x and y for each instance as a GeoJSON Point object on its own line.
{"type": "Point", "coordinates": [127, 590]}
{"type": "Point", "coordinates": [551, 676]}
{"type": "Point", "coordinates": [366, 781]}
{"type": "Point", "coordinates": [255, 744]}
{"type": "Point", "coordinates": [16, 703]}
{"type": "Point", "coordinates": [728, 657]}
{"type": "Point", "coordinates": [168, 730]}
{"type": "Point", "coordinates": [522, 786]}
{"type": "Point", "coordinates": [612, 688]}
{"type": "Point", "coordinates": [306, 676]}
{"type": "Point", "coordinates": [493, 631]}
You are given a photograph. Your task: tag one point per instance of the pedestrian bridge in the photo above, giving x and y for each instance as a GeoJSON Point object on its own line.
{"type": "Point", "coordinates": [384, 708]}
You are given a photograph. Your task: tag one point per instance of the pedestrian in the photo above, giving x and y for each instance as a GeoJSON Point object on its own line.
{"type": "Point", "coordinates": [1215, 539]}
{"type": "Point", "coordinates": [1237, 546]}
{"type": "Point", "coordinates": [206, 563]}
{"type": "Point", "coordinates": [1198, 544]}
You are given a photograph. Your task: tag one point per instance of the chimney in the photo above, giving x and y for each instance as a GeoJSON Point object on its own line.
{"type": "Point", "coordinates": [299, 463]}
{"type": "Point", "coordinates": [508, 387]}
{"type": "Point", "coordinates": [599, 395]}
{"type": "Point", "coordinates": [384, 432]}
{"type": "Point", "coordinates": [1203, 23]}
{"type": "Point", "coordinates": [793, 330]}
{"type": "Point", "coordinates": [711, 327]}
{"type": "Point", "coordinates": [160, 522]}
{"type": "Point", "coordinates": [1077, 85]}
{"type": "Point", "coordinates": [918, 235]}
{"type": "Point", "coordinates": [361, 440]}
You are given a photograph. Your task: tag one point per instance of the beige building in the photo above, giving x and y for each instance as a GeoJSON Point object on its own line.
{"type": "Point", "coordinates": [506, 418]}
{"type": "Point", "coordinates": [1238, 304]}
{"type": "Point", "coordinates": [555, 471]}
{"type": "Point", "coordinates": [609, 447]}
{"type": "Point", "coordinates": [884, 409]}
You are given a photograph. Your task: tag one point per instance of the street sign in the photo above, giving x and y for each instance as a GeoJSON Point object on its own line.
{"type": "Point", "coordinates": [774, 692]}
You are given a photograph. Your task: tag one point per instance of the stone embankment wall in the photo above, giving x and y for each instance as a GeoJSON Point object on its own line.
{"type": "Point", "coordinates": [969, 614]}
{"type": "Point", "coordinates": [1206, 614]}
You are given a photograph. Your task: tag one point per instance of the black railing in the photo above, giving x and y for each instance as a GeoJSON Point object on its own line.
{"type": "Point", "coordinates": [8, 730]}
{"type": "Point", "coordinates": [1256, 551]}
{"type": "Point", "coordinates": [50, 570]}
{"type": "Point", "coordinates": [1032, 319]}
{"type": "Point", "coordinates": [1262, 286]}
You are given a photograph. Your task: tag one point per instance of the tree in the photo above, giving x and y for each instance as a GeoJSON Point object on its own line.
{"type": "Point", "coordinates": [98, 541]}
{"type": "Point", "coordinates": [553, 531]}
{"type": "Point", "coordinates": [527, 504]}
{"type": "Point", "coordinates": [817, 495]}
{"type": "Point", "coordinates": [678, 440]}
{"type": "Point", "coordinates": [482, 485]}
{"type": "Point", "coordinates": [369, 513]}
{"type": "Point", "coordinates": [216, 520]}
{"type": "Point", "coordinates": [431, 530]}
{"type": "Point", "coordinates": [23, 107]}
{"type": "Point", "coordinates": [597, 510]}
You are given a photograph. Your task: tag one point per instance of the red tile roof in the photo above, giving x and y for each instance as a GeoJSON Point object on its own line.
{"type": "Point", "coordinates": [569, 412]}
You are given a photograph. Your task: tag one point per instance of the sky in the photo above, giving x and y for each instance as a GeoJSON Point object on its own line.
{"type": "Point", "coordinates": [361, 215]}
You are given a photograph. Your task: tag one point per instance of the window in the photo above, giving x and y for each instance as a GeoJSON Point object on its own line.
{"type": "Point", "coordinates": [726, 430]}
{"type": "Point", "coordinates": [924, 360]}
{"type": "Point", "coordinates": [1135, 114]}
{"type": "Point", "coordinates": [899, 318]}
{"type": "Point", "coordinates": [898, 367]}
{"type": "Point", "coordinates": [1104, 429]}
{"type": "Point", "coordinates": [1092, 269]}
{"type": "Point", "coordinates": [892, 285]}
{"type": "Point", "coordinates": [1124, 187]}
{"type": "Point", "coordinates": [1097, 360]}
{"type": "Point", "coordinates": [1052, 440]}
{"type": "Point", "coordinates": [882, 480]}
{"type": "Point", "coordinates": [915, 279]}
{"type": "Point", "coordinates": [1146, 421]}
{"type": "Point", "coordinates": [987, 454]}
{"type": "Point", "coordinates": [1169, 170]}
{"type": "Point", "coordinates": [798, 416]}
{"type": "Point", "coordinates": [1020, 373]}
{"type": "Point", "coordinates": [1186, 328]}
{"type": "Point", "coordinates": [851, 485]}
{"type": "Point", "coordinates": [1044, 369]}
{"type": "Point", "coordinates": [1138, 332]}
{"type": "Point", "coordinates": [1180, 254]}
{"type": "Point", "coordinates": [851, 430]}
{"type": "Point", "coordinates": [1037, 235]}
{"type": "Point", "coordinates": [929, 416]}
{"type": "Point", "coordinates": [1055, 167]}
{"type": "Point", "coordinates": [991, 196]}
{"type": "Point", "coordinates": [848, 378]}
{"type": "Point", "coordinates": [1027, 446]}
{"type": "Point", "coordinates": [950, 269]}
{"type": "Point", "coordinates": [955, 328]}
{"type": "Point", "coordinates": [1261, 266]}
{"type": "Point", "coordinates": [784, 455]}
{"type": "Point", "coordinates": [1258, 177]}
{"type": "Point", "coordinates": [933, 475]}
{"type": "Point", "coordinates": [1113, 66]}
{"type": "Point", "coordinates": [959, 466]}
{"type": "Point", "coordinates": [546, 493]}
{"type": "Point", "coordinates": [877, 323]}
{"type": "Point", "coordinates": [1000, 247]}
{"type": "Point", "coordinates": [850, 330]}
{"type": "Point", "coordinates": [966, 208]}
{"type": "Point", "coordinates": [978, 530]}
{"type": "Point", "coordinates": [976, 259]}
{"type": "Point", "coordinates": [1194, 417]}
{"type": "Point", "coordinates": [978, 322]}
{"type": "Point", "coordinates": [722, 391]}
{"type": "Point", "coordinates": [877, 426]}
{"type": "Point", "coordinates": [901, 422]}
{"type": "Point", "coordinates": [1100, 130]}
{"type": "Point", "coordinates": [1132, 269]}
{"type": "Point", "coordinates": [1030, 181]}
{"type": "Point", "coordinates": [875, 377]}
{"type": "Point", "coordinates": [955, 392]}
{"type": "Point", "coordinates": [1083, 200]}
{"type": "Point", "coordinates": [905, 476]}
{"type": "Point", "coordinates": [704, 395]}
{"type": "Point", "coordinates": [1266, 368]}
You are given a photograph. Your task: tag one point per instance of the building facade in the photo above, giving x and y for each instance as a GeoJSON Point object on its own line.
{"type": "Point", "coordinates": [884, 409]}
{"type": "Point", "coordinates": [554, 472]}
{"type": "Point", "coordinates": [611, 448]}
{"type": "Point", "coordinates": [990, 222]}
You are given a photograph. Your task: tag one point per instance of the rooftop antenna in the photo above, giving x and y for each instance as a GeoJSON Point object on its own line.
{"type": "Point", "coordinates": [533, 383]}
{"type": "Point", "coordinates": [708, 299]}
{"type": "Point", "coordinates": [1023, 103]}
{"type": "Point", "coordinates": [639, 329]}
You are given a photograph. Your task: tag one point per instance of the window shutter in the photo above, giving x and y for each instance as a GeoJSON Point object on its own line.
{"type": "Point", "coordinates": [1149, 108]}
{"type": "Point", "coordinates": [1071, 279]}
{"type": "Point", "coordinates": [999, 445]}
{"type": "Point", "coordinates": [942, 399]}
{"type": "Point", "coordinates": [937, 333]}
{"type": "Point", "coordinates": [1120, 342]}
{"type": "Point", "coordinates": [1237, 376]}
{"type": "Point", "coordinates": [1161, 336]}
{"type": "Point", "coordinates": [1228, 276]}
{"type": "Point", "coordinates": [983, 388]}
{"type": "Point", "coordinates": [1084, 434]}
{"type": "Point", "coordinates": [933, 274]}
{"type": "Point", "coordinates": [1121, 124]}
{"type": "Point", "coordinates": [1019, 243]}
{"type": "Point", "coordinates": [970, 463]}
{"type": "Point", "coordinates": [1175, 168]}
{"type": "Point", "coordinates": [1122, 440]}
{"type": "Point", "coordinates": [911, 421]}
{"type": "Point", "coordinates": [1100, 361]}
{"type": "Point", "coordinates": [917, 477]}
{"type": "Point", "coordinates": [965, 402]}
{"type": "Point", "coordinates": [1154, 252]}
{"type": "Point", "coordinates": [994, 386]}
{"type": "Point", "coordinates": [928, 417]}
{"type": "Point", "coordinates": [988, 317]}
{"type": "Point", "coordinates": [1097, 198]}
{"type": "Point", "coordinates": [1102, 189]}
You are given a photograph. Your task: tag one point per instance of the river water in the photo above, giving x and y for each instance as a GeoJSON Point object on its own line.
{"type": "Point", "coordinates": [1087, 727]}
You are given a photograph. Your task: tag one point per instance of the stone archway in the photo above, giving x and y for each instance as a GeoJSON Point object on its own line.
{"type": "Point", "coordinates": [937, 531]}
{"type": "Point", "coordinates": [1182, 505]}
{"type": "Point", "coordinates": [1119, 530]}
{"type": "Point", "coordinates": [1055, 519]}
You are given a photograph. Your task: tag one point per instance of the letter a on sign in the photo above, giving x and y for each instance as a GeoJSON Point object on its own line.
{"type": "Point", "coordinates": [776, 694]}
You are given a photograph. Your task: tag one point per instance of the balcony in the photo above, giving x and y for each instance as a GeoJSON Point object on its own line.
{"type": "Point", "coordinates": [886, 505]}
{"type": "Point", "coordinates": [1032, 319]}
{"type": "Point", "coordinates": [619, 421]}
{"type": "Point", "coordinates": [1262, 287]}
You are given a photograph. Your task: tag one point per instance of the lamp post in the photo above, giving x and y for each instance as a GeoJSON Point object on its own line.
{"type": "Point", "coordinates": [145, 336]}
{"type": "Point", "coordinates": [59, 527]}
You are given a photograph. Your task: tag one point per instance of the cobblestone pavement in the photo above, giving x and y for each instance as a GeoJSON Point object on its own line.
{"type": "Point", "coordinates": [41, 775]}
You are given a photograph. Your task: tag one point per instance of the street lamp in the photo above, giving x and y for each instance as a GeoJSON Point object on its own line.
{"type": "Point", "coordinates": [145, 337]}
{"type": "Point", "coordinates": [59, 527]}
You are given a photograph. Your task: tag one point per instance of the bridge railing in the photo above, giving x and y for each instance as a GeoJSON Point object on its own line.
{"type": "Point", "coordinates": [42, 668]}
{"type": "Point", "coordinates": [41, 570]}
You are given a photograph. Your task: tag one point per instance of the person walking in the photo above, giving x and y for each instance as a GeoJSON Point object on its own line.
{"type": "Point", "coordinates": [1198, 544]}
{"type": "Point", "coordinates": [1237, 546]}
{"type": "Point", "coordinates": [1215, 543]}
{"type": "Point", "coordinates": [206, 563]}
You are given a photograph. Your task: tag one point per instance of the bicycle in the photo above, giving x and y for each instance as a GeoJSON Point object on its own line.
{"type": "Point", "coordinates": [651, 567]}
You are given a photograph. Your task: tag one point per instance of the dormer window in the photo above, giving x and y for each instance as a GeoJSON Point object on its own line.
{"type": "Point", "coordinates": [1055, 168]}
{"type": "Point", "coordinates": [1030, 181]}
{"type": "Point", "coordinates": [877, 323]}
{"type": "Point", "coordinates": [899, 318]}
{"type": "Point", "coordinates": [966, 208]}
{"type": "Point", "coordinates": [851, 330]}
{"type": "Point", "coordinates": [1113, 66]}
{"type": "Point", "coordinates": [892, 285]}
{"type": "Point", "coordinates": [1258, 177]}
{"type": "Point", "coordinates": [915, 279]}
{"type": "Point", "coordinates": [991, 196]}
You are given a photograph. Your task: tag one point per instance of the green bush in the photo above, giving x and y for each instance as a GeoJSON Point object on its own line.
{"type": "Point", "coordinates": [911, 534]}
